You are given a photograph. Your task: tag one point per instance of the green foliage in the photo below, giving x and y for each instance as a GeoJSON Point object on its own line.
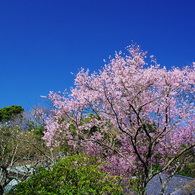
{"type": "Point", "coordinates": [77, 174]}
{"type": "Point", "coordinates": [36, 129]}
{"type": "Point", "coordinates": [10, 112]}
{"type": "Point", "coordinates": [39, 130]}
{"type": "Point", "coordinates": [135, 185]}
{"type": "Point", "coordinates": [189, 170]}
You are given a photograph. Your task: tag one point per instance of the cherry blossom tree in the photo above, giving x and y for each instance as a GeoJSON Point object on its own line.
{"type": "Point", "coordinates": [138, 116]}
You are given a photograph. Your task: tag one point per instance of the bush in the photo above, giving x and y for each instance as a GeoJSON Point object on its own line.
{"type": "Point", "coordinates": [77, 174]}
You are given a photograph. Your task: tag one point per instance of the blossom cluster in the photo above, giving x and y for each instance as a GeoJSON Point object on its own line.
{"type": "Point", "coordinates": [133, 114]}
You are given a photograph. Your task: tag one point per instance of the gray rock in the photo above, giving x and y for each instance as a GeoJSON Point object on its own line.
{"type": "Point", "coordinates": [175, 185]}
{"type": "Point", "coordinates": [23, 170]}
{"type": "Point", "coordinates": [12, 183]}
{"type": "Point", "coordinates": [188, 188]}
{"type": "Point", "coordinates": [19, 173]}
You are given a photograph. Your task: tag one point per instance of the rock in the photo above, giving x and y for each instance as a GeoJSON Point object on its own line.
{"type": "Point", "coordinates": [22, 170]}
{"type": "Point", "coordinates": [19, 173]}
{"type": "Point", "coordinates": [12, 183]}
{"type": "Point", "coordinates": [173, 187]}
{"type": "Point", "coordinates": [188, 188]}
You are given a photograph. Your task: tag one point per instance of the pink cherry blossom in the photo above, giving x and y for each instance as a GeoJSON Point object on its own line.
{"type": "Point", "coordinates": [134, 115]}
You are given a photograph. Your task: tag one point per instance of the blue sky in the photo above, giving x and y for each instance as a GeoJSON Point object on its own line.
{"type": "Point", "coordinates": [43, 41]}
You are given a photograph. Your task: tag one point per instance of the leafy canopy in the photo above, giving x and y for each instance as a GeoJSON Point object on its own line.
{"type": "Point", "coordinates": [10, 112]}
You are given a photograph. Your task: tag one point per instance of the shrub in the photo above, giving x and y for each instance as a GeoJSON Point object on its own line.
{"type": "Point", "coordinates": [77, 174]}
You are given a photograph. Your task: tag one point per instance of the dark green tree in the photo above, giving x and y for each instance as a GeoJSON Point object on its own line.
{"type": "Point", "coordinates": [11, 113]}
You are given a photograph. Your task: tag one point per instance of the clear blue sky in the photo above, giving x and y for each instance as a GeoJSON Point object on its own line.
{"type": "Point", "coordinates": [43, 41]}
